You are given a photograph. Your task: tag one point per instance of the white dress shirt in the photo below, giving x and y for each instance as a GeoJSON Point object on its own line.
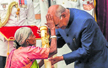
{"type": "Point", "coordinates": [78, 4]}
{"type": "Point", "coordinates": [26, 17]}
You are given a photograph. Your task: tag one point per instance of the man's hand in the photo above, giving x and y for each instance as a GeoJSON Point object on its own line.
{"type": "Point", "coordinates": [50, 22]}
{"type": "Point", "coordinates": [55, 59]}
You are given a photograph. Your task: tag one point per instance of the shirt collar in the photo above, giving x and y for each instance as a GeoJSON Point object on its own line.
{"type": "Point", "coordinates": [71, 18]}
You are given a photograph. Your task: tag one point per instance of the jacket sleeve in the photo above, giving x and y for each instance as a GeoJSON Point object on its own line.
{"type": "Point", "coordinates": [38, 53]}
{"type": "Point", "coordinates": [87, 36]}
{"type": "Point", "coordinates": [60, 40]}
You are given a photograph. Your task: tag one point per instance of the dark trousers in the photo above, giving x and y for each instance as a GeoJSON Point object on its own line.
{"type": "Point", "coordinates": [2, 61]}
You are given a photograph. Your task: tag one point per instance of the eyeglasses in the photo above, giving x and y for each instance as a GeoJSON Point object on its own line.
{"type": "Point", "coordinates": [57, 25]}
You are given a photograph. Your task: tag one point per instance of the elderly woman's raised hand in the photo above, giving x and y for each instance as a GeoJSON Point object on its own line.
{"type": "Point", "coordinates": [50, 22]}
{"type": "Point", "coordinates": [39, 32]}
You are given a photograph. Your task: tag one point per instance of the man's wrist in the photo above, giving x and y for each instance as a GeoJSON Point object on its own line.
{"type": "Point", "coordinates": [61, 58]}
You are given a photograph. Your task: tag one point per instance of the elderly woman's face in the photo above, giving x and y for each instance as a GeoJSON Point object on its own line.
{"type": "Point", "coordinates": [32, 39]}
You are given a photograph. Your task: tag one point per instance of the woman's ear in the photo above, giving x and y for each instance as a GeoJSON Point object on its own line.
{"type": "Point", "coordinates": [27, 41]}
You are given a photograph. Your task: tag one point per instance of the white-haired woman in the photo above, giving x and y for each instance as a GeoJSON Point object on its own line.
{"type": "Point", "coordinates": [25, 53]}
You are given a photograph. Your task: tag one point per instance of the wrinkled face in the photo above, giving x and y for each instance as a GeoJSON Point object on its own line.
{"type": "Point", "coordinates": [60, 18]}
{"type": "Point", "coordinates": [57, 22]}
{"type": "Point", "coordinates": [31, 39]}
{"type": "Point", "coordinates": [61, 21]}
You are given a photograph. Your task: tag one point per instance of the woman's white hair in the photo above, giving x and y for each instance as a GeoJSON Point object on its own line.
{"type": "Point", "coordinates": [21, 35]}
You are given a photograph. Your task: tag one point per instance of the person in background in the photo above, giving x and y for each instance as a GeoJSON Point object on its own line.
{"type": "Point", "coordinates": [26, 51]}
{"type": "Point", "coordinates": [26, 17]}
{"type": "Point", "coordinates": [83, 36]}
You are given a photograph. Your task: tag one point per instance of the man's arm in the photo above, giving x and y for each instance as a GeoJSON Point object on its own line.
{"type": "Point", "coordinates": [87, 38]}
{"type": "Point", "coordinates": [83, 51]}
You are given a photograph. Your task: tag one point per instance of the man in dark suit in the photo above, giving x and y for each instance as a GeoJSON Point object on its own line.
{"type": "Point", "coordinates": [79, 30]}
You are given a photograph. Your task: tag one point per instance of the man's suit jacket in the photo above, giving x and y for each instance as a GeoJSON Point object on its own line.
{"type": "Point", "coordinates": [85, 39]}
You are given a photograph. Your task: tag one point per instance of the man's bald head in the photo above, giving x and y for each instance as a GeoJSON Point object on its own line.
{"type": "Point", "coordinates": [56, 10]}
{"type": "Point", "coordinates": [60, 15]}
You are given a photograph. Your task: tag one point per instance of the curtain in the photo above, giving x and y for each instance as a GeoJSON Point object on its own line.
{"type": "Point", "coordinates": [102, 16]}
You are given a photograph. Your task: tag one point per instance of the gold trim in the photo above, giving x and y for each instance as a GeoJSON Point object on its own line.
{"type": "Point", "coordinates": [8, 49]}
{"type": "Point", "coordinates": [95, 10]}
{"type": "Point", "coordinates": [43, 28]}
{"type": "Point", "coordinates": [4, 22]}
{"type": "Point", "coordinates": [4, 36]}
{"type": "Point", "coordinates": [10, 39]}
{"type": "Point", "coordinates": [45, 43]}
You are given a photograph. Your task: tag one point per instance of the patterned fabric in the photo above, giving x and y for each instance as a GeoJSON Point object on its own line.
{"type": "Point", "coordinates": [102, 16]}
{"type": "Point", "coordinates": [8, 63]}
{"type": "Point", "coordinates": [23, 57]}
{"type": "Point", "coordinates": [35, 65]}
{"type": "Point", "coordinates": [28, 65]}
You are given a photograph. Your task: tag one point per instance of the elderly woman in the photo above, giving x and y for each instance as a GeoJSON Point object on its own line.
{"type": "Point", "coordinates": [25, 53]}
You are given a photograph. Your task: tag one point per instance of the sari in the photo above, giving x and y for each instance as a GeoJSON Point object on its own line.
{"type": "Point", "coordinates": [24, 57]}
